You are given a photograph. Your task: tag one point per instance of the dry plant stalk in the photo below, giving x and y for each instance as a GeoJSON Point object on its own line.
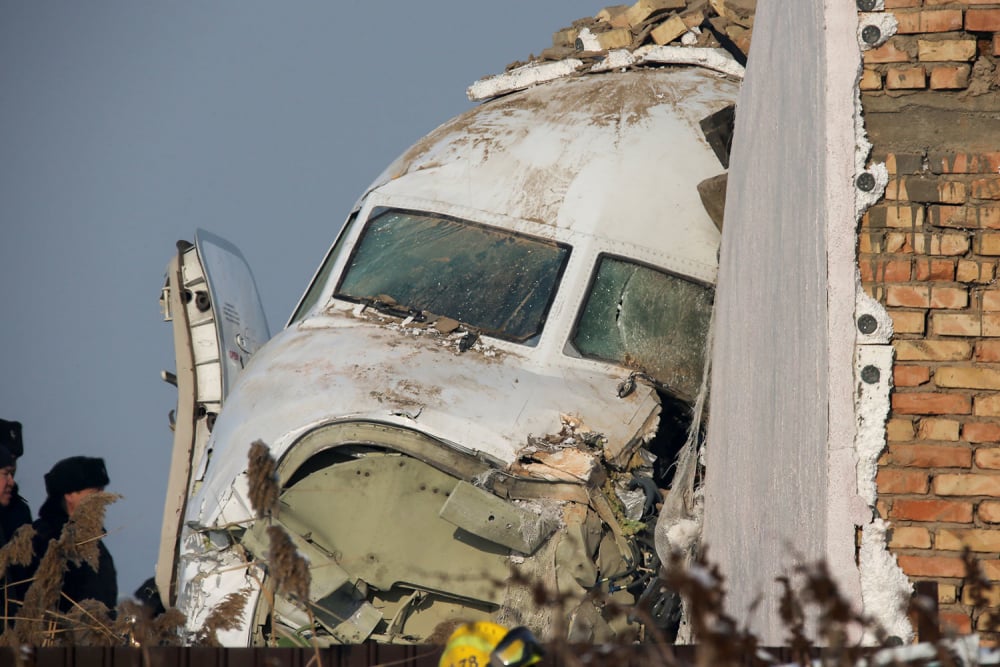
{"type": "Point", "coordinates": [89, 624]}
{"type": "Point", "coordinates": [226, 615]}
{"type": "Point", "coordinates": [76, 544]}
{"type": "Point", "coordinates": [262, 479]}
{"type": "Point", "coordinates": [288, 568]}
{"type": "Point", "coordinates": [135, 625]}
{"type": "Point", "coordinates": [18, 550]}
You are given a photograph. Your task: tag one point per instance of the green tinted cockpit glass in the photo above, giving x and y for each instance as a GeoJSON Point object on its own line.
{"type": "Point", "coordinates": [494, 280]}
{"type": "Point", "coordinates": [649, 320]}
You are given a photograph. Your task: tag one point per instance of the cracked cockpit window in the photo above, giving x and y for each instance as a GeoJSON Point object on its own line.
{"type": "Point", "coordinates": [493, 280]}
{"type": "Point", "coordinates": [648, 320]}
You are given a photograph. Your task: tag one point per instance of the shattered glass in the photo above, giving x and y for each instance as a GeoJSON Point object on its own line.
{"type": "Point", "coordinates": [493, 280]}
{"type": "Point", "coordinates": [647, 320]}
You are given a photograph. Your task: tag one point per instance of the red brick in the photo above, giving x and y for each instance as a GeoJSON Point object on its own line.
{"type": "Point", "coordinates": [893, 51]}
{"type": "Point", "coordinates": [982, 20]}
{"type": "Point", "coordinates": [989, 244]}
{"type": "Point", "coordinates": [907, 322]}
{"type": "Point", "coordinates": [931, 404]}
{"type": "Point", "coordinates": [941, 244]}
{"type": "Point", "coordinates": [932, 566]}
{"type": "Point", "coordinates": [890, 271]}
{"type": "Point", "coordinates": [896, 242]}
{"type": "Point", "coordinates": [929, 20]}
{"type": "Point", "coordinates": [988, 457]}
{"type": "Point", "coordinates": [981, 432]}
{"type": "Point", "coordinates": [952, 298]}
{"type": "Point", "coordinates": [950, 77]}
{"type": "Point", "coordinates": [910, 537]}
{"type": "Point", "coordinates": [991, 569]}
{"type": "Point", "coordinates": [934, 269]}
{"type": "Point", "coordinates": [986, 188]}
{"type": "Point", "coordinates": [988, 351]}
{"type": "Point", "coordinates": [944, 215]}
{"type": "Point", "coordinates": [946, 50]}
{"type": "Point", "coordinates": [996, 44]}
{"type": "Point", "coordinates": [989, 511]}
{"type": "Point", "coordinates": [945, 511]}
{"type": "Point", "coordinates": [870, 80]}
{"type": "Point", "coordinates": [910, 376]}
{"type": "Point", "coordinates": [967, 484]}
{"type": "Point", "coordinates": [902, 216]}
{"type": "Point", "coordinates": [936, 428]}
{"type": "Point", "coordinates": [899, 430]}
{"type": "Point", "coordinates": [976, 539]}
{"type": "Point", "coordinates": [971, 271]}
{"type": "Point", "coordinates": [930, 456]}
{"type": "Point", "coordinates": [957, 324]}
{"type": "Point", "coordinates": [986, 216]}
{"type": "Point", "coordinates": [908, 296]}
{"type": "Point", "coordinates": [987, 405]}
{"type": "Point", "coordinates": [892, 480]}
{"type": "Point", "coordinates": [964, 163]}
{"type": "Point", "coordinates": [955, 621]}
{"type": "Point", "coordinates": [898, 4]}
{"type": "Point", "coordinates": [967, 377]}
{"type": "Point", "coordinates": [905, 78]}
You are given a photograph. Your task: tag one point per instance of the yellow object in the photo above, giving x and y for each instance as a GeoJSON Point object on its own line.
{"type": "Point", "coordinates": [518, 648]}
{"type": "Point", "coordinates": [470, 644]}
{"type": "Point", "coordinates": [485, 644]}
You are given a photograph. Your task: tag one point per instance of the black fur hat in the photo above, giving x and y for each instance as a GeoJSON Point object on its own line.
{"type": "Point", "coordinates": [6, 458]}
{"type": "Point", "coordinates": [10, 437]}
{"type": "Point", "coordinates": [76, 474]}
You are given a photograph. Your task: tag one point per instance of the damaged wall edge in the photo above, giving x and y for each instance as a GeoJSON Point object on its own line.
{"type": "Point", "coordinates": [810, 420]}
{"type": "Point", "coordinates": [885, 589]}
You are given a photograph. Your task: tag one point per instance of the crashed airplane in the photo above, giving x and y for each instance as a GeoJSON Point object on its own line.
{"type": "Point", "coordinates": [487, 382]}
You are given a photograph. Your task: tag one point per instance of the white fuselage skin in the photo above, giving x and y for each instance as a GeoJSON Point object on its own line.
{"type": "Point", "coordinates": [605, 164]}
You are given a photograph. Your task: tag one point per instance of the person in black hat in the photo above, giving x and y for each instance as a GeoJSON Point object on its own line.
{"type": "Point", "coordinates": [66, 485]}
{"type": "Point", "coordinates": [14, 510]}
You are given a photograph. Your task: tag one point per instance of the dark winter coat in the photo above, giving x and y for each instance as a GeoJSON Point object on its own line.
{"type": "Point", "coordinates": [12, 517]}
{"type": "Point", "coordinates": [80, 582]}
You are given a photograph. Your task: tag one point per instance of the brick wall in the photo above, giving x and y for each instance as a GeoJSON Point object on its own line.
{"type": "Point", "coordinates": [929, 252]}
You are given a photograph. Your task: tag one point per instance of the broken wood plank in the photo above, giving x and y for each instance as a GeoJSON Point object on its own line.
{"type": "Point", "coordinates": [738, 11]}
{"type": "Point", "coordinates": [614, 15]}
{"type": "Point", "coordinates": [618, 38]}
{"type": "Point", "coordinates": [669, 30]}
{"type": "Point", "coordinates": [645, 9]}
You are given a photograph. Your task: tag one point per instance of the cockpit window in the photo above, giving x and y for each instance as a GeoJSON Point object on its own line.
{"type": "Point", "coordinates": [648, 320]}
{"type": "Point", "coordinates": [492, 280]}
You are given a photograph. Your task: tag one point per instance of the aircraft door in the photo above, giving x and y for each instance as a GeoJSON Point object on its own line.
{"type": "Point", "coordinates": [218, 324]}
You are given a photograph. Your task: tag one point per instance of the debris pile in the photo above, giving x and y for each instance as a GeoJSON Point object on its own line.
{"type": "Point", "coordinates": [710, 33]}
{"type": "Point", "coordinates": [704, 23]}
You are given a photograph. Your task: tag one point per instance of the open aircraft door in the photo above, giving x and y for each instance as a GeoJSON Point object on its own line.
{"type": "Point", "coordinates": [218, 324]}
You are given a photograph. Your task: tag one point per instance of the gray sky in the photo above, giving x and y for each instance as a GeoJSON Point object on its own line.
{"type": "Point", "coordinates": [126, 125]}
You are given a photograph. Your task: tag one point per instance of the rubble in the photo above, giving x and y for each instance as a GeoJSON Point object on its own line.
{"type": "Point", "coordinates": [647, 32]}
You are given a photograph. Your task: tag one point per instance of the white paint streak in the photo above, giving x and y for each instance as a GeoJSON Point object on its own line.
{"type": "Point", "coordinates": [713, 59]}
{"type": "Point", "coordinates": [616, 59]}
{"type": "Point", "coordinates": [521, 77]}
